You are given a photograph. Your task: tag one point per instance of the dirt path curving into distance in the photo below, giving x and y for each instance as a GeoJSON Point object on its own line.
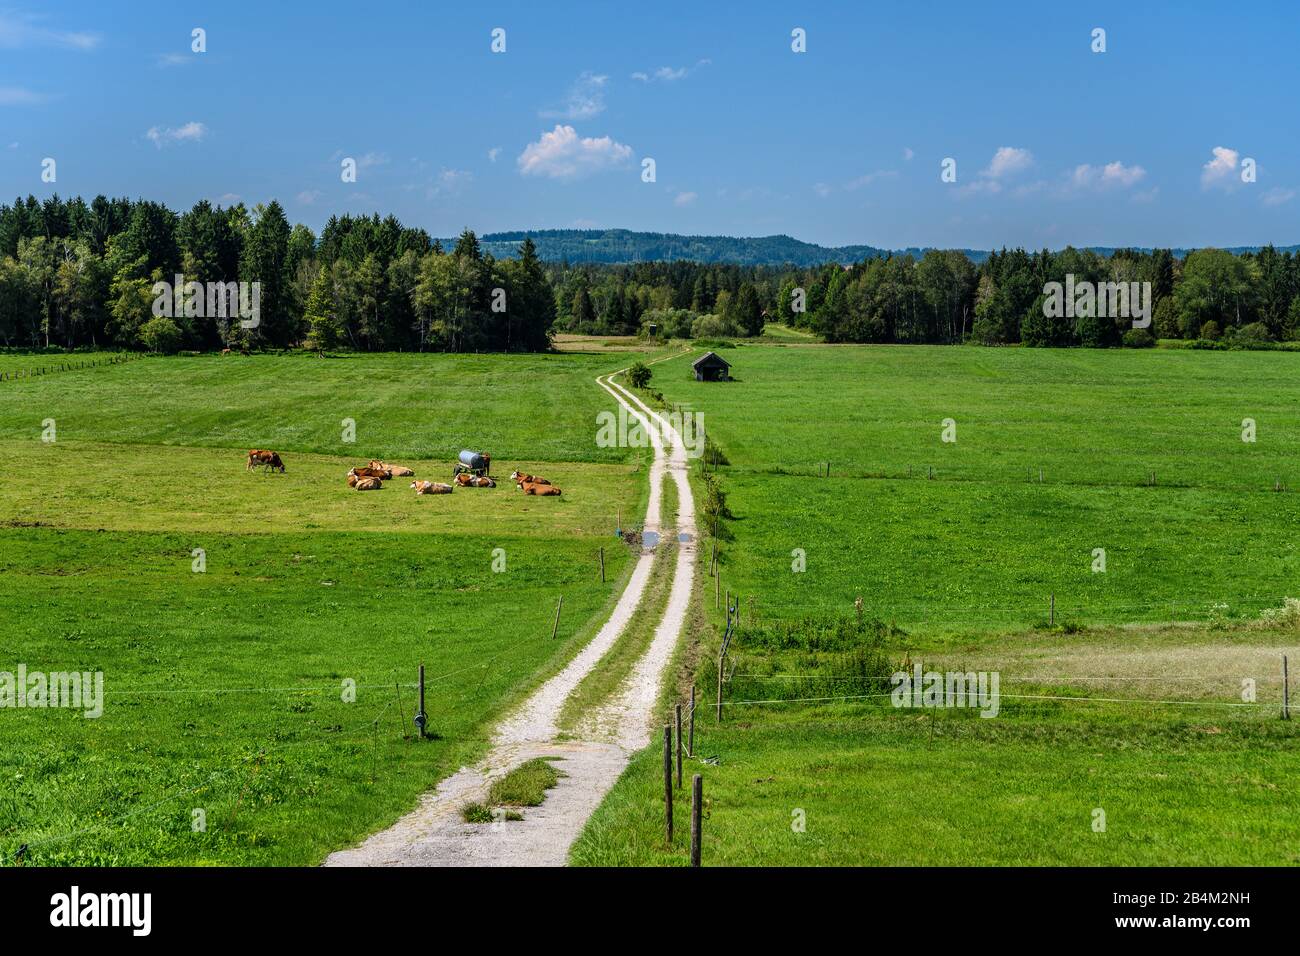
{"type": "Point", "coordinates": [434, 835]}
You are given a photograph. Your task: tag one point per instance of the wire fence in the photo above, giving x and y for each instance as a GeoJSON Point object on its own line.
{"type": "Point", "coordinates": [67, 365]}
{"type": "Point", "coordinates": [1276, 475]}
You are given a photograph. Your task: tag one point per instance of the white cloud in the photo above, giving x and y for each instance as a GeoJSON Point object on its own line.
{"type": "Point", "coordinates": [907, 153]}
{"type": "Point", "coordinates": [822, 189]}
{"type": "Point", "coordinates": [191, 132]}
{"type": "Point", "coordinates": [685, 199]}
{"type": "Point", "coordinates": [308, 196]}
{"type": "Point", "coordinates": [562, 154]}
{"type": "Point", "coordinates": [669, 74]}
{"type": "Point", "coordinates": [175, 59]}
{"type": "Point", "coordinates": [586, 99]}
{"type": "Point", "coordinates": [869, 178]}
{"type": "Point", "coordinates": [1278, 196]}
{"type": "Point", "coordinates": [1146, 195]}
{"type": "Point", "coordinates": [1221, 170]}
{"type": "Point", "coordinates": [372, 159]}
{"type": "Point", "coordinates": [450, 182]}
{"type": "Point", "coordinates": [493, 153]}
{"type": "Point", "coordinates": [21, 96]}
{"type": "Point", "coordinates": [20, 30]}
{"type": "Point", "coordinates": [991, 186]}
{"type": "Point", "coordinates": [1086, 176]}
{"type": "Point", "coordinates": [1007, 161]}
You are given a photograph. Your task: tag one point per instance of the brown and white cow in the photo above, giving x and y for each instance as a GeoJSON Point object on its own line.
{"type": "Point", "coordinates": [518, 477]}
{"type": "Point", "coordinates": [397, 471]}
{"type": "Point", "coordinates": [366, 472]}
{"type": "Point", "coordinates": [368, 484]}
{"type": "Point", "coordinates": [532, 488]}
{"type": "Point", "coordinates": [431, 488]}
{"type": "Point", "coordinates": [466, 480]}
{"type": "Point", "coordinates": [264, 457]}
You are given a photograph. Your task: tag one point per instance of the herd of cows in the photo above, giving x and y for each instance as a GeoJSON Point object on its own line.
{"type": "Point", "coordinates": [371, 477]}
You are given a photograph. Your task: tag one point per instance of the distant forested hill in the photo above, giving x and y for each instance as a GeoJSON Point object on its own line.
{"type": "Point", "coordinates": [626, 246]}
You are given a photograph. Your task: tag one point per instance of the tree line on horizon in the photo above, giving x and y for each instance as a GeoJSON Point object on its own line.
{"type": "Point", "coordinates": [943, 297]}
{"type": "Point", "coordinates": [76, 274]}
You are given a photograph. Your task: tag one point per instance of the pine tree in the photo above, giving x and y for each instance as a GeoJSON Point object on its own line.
{"type": "Point", "coordinates": [322, 316]}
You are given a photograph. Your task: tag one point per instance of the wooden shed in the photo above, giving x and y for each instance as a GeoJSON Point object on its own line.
{"type": "Point", "coordinates": [711, 367]}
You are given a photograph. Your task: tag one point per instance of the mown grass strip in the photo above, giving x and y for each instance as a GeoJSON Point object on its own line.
{"type": "Point", "coordinates": [613, 669]}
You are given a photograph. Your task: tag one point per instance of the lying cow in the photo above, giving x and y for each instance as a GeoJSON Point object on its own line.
{"type": "Point", "coordinates": [368, 484]}
{"type": "Point", "coordinates": [264, 457]}
{"type": "Point", "coordinates": [370, 473]}
{"type": "Point", "coordinates": [518, 477]}
{"type": "Point", "coordinates": [533, 488]}
{"type": "Point", "coordinates": [474, 481]}
{"type": "Point", "coordinates": [431, 488]}
{"type": "Point", "coordinates": [397, 471]}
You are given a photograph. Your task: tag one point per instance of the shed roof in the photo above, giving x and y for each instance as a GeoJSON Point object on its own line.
{"type": "Point", "coordinates": [705, 359]}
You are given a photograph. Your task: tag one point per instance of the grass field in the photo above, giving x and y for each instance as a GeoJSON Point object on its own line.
{"type": "Point", "coordinates": [1131, 704]}
{"type": "Point", "coordinates": [521, 407]}
{"type": "Point", "coordinates": [224, 689]}
{"type": "Point", "coordinates": [978, 548]}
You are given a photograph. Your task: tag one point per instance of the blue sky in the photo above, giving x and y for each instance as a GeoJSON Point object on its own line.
{"type": "Point", "coordinates": [1054, 144]}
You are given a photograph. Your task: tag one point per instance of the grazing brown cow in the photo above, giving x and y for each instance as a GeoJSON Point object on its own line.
{"type": "Point", "coordinates": [225, 351]}
{"type": "Point", "coordinates": [532, 488]}
{"type": "Point", "coordinates": [368, 484]}
{"type": "Point", "coordinates": [466, 480]}
{"type": "Point", "coordinates": [431, 488]}
{"type": "Point", "coordinates": [518, 477]}
{"type": "Point", "coordinates": [262, 456]}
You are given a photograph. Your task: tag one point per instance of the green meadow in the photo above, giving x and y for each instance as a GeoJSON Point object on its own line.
{"type": "Point", "coordinates": [978, 547]}
{"type": "Point", "coordinates": [1126, 733]}
{"type": "Point", "coordinates": [229, 734]}
{"type": "Point", "coordinates": [520, 407]}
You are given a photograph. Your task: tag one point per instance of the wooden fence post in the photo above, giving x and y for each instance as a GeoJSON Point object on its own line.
{"type": "Point", "coordinates": [556, 627]}
{"type": "Point", "coordinates": [602, 565]}
{"type": "Point", "coordinates": [679, 746]}
{"type": "Point", "coordinates": [668, 784]}
{"type": "Point", "coordinates": [421, 719]}
{"type": "Point", "coordinates": [697, 801]}
{"type": "Point", "coordinates": [690, 740]}
{"type": "Point", "coordinates": [1051, 611]}
{"type": "Point", "coordinates": [1286, 691]}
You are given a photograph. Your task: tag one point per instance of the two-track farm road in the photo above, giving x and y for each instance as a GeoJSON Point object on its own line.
{"type": "Point", "coordinates": [435, 835]}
